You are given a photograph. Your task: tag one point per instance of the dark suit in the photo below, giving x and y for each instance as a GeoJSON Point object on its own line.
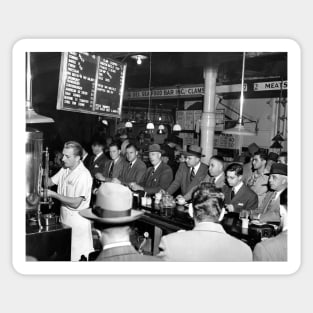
{"type": "Point", "coordinates": [125, 253]}
{"type": "Point", "coordinates": [119, 168]}
{"type": "Point", "coordinates": [135, 173]}
{"type": "Point", "coordinates": [161, 179]}
{"type": "Point", "coordinates": [98, 165]}
{"type": "Point", "coordinates": [87, 160]}
{"type": "Point", "coordinates": [182, 179]}
{"type": "Point", "coordinates": [244, 199]}
{"type": "Point", "coordinates": [218, 183]}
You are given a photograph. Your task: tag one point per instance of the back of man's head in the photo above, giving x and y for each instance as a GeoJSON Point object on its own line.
{"type": "Point", "coordinates": [207, 202]}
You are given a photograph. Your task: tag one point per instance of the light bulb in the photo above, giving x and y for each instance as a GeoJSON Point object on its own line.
{"type": "Point", "coordinates": [139, 60]}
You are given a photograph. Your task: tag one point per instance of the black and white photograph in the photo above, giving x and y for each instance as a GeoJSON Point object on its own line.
{"type": "Point", "coordinates": [151, 158]}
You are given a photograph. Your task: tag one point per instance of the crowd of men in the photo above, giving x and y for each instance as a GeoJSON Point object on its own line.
{"type": "Point", "coordinates": [98, 188]}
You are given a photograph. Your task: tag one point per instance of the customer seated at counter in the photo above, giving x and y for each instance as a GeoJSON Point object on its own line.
{"type": "Point", "coordinates": [191, 173]}
{"type": "Point", "coordinates": [238, 196]}
{"type": "Point", "coordinates": [208, 241]}
{"type": "Point", "coordinates": [275, 249]}
{"type": "Point", "coordinates": [112, 216]}
{"type": "Point", "coordinates": [268, 210]}
{"type": "Point", "coordinates": [158, 176]}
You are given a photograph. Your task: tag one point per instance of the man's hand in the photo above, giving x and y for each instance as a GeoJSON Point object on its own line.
{"type": "Point", "coordinates": [135, 187]}
{"type": "Point", "coordinates": [100, 177]}
{"type": "Point", "coordinates": [115, 180]}
{"type": "Point", "coordinates": [229, 207]}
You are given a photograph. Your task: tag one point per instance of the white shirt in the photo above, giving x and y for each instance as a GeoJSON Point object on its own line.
{"type": "Point", "coordinates": [195, 168]}
{"type": "Point", "coordinates": [116, 244]}
{"type": "Point", "coordinates": [76, 183]}
{"type": "Point", "coordinates": [236, 188]}
{"type": "Point", "coordinates": [97, 156]}
{"type": "Point", "coordinates": [155, 167]}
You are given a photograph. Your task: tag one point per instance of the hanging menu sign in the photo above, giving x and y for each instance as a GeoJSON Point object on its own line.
{"type": "Point", "coordinates": [91, 84]}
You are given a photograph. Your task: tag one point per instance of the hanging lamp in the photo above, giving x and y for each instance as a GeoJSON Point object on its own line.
{"type": "Point", "coordinates": [278, 136]}
{"type": "Point", "coordinates": [150, 125]}
{"type": "Point", "coordinates": [239, 129]}
{"type": "Point", "coordinates": [177, 127]}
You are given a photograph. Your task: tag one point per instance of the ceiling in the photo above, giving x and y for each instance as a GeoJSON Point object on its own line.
{"type": "Point", "coordinates": [173, 68]}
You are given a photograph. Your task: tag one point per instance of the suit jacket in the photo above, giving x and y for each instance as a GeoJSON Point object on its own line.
{"type": "Point", "coordinates": [182, 179]}
{"type": "Point", "coordinates": [161, 179]}
{"type": "Point", "coordinates": [220, 183]}
{"type": "Point", "coordinates": [87, 160]}
{"type": "Point", "coordinates": [272, 249]}
{"type": "Point", "coordinates": [269, 208]}
{"type": "Point", "coordinates": [206, 242]}
{"type": "Point", "coordinates": [125, 253]}
{"type": "Point", "coordinates": [245, 198]}
{"type": "Point", "coordinates": [135, 174]}
{"type": "Point", "coordinates": [118, 170]}
{"type": "Point", "coordinates": [98, 165]}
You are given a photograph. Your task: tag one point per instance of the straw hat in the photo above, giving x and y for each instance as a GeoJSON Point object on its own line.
{"type": "Point", "coordinates": [113, 206]}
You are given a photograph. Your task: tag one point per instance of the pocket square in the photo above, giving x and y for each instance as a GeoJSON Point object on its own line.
{"type": "Point", "coordinates": [240, 204]}
{"type": "Point", "coordinates": [96, 165]}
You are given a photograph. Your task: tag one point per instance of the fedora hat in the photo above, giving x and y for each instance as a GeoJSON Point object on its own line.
{"type": "Point", "coordinates": [194, 150]}
{"type": "Point", "coordinates": [278, 168]}
{"type": "Point", "coordinates": [113, 206]}
{"type": "Point", "coordinates": [155, 148]}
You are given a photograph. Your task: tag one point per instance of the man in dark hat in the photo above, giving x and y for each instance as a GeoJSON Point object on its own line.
{"type": "Point", "coordinates": [268, 210]}
{"type": "Point", "coordinates": [158, 176]}
{"type": "Point", "coordinates": [113, 215]}
{"type": "Point", "coordinates": [191, 173]}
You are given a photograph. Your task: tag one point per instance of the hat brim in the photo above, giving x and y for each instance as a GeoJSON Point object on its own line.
{"type": "Point", "coordinates": [199, 155]}
{"type": "Point", "coordinates": [161, 151]}
{"type": "Point", "coordinates": [87, 213]}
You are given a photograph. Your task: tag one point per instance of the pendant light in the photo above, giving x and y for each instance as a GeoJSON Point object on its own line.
{"type": "Point", "coordinates": [150, 125]}
{"type": "Point", "coordinates": [177, 127]}
{"type": "Point", "coordinates": [278, 137]}
{"type": "Point", "coordinates": [128, 123]}
{"type": "Point", "coordinates": [239, 129]}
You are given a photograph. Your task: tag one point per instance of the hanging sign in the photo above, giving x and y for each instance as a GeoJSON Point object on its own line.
{"type": "Point", "coordinates": [276, 85]}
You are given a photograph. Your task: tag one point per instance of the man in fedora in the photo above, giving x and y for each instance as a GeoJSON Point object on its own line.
{"type": "Point", "coordinates": [191, 173]}
{"type": "Point", "coordinates": [113, 215]}
{"type": "Point", "coordinates": [269, 210]}
{"type": "Point", "coordinates": [158, 176]}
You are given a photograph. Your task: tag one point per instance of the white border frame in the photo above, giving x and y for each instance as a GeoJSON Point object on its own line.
{"type": "Point", "coordinates": [155, 45]}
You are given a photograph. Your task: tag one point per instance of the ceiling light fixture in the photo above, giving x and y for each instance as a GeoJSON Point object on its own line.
{"type": "Point", "coordinates": [239, 129]}
{"type": "Point", "coordinates": [139, 58]}
{"type": "Point", "coordinates": [150, 125]}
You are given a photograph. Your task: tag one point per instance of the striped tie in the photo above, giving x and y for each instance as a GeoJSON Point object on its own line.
{"type": "Point", "coordinates": [192, 174]}
{"type": "Point", "coordinates": [111, 169]}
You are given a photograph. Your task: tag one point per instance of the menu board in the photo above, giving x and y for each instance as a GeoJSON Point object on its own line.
{"type": "Point", "coordinates": [91, 84]}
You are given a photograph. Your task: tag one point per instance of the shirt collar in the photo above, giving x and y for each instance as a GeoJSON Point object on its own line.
{"type": "Point", "coordinates": [98, 155]}
{"type": "Point", "coordinates": [155, 167]}
{"type": "Point", "coordinates": [116, 244]}
{"type": "Point", "coordinates": [218, 176]}
{"type": "Point", "coordinates": [238, 187]}
{"type": "Point", "coordinates": [196, 167]}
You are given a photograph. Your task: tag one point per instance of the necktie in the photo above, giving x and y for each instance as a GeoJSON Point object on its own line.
{"type": "Point", "coordinates": [153, 171]}
{"type": "Point", "coordinates": [232, 194]}
{"type": "Point", "coordinates": [213, 180]}
{"type": "Point", "coordinates": [192, 174]}
{"type": "Point", "coordinates": [130, 165]}
{"type": "Point", "coordinates": [111, 169]}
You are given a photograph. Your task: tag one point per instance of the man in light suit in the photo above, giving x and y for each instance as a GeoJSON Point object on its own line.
{"type": "Point", "coordinates": [190, 174]}
{"type": "Point", "coordinates": [158, 176]}
{"type": "Point", "coordinates": [238, 196]}
{"type": "Point", "coordinates": [112, 216]}
{"type": "Point", "coordinates": [115, 167]}
{"type": "Point", "coordinates": [208, 241]}
{"type": "Point", "coordinates": [268, 210]}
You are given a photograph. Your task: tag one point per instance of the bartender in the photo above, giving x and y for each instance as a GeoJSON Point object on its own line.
{"type": "Point", "coordinates": [74, 190]}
